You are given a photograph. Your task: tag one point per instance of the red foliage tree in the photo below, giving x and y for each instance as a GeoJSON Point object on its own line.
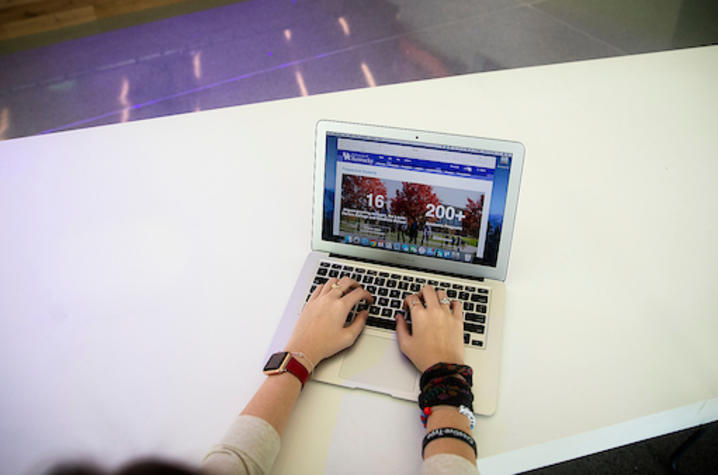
{"type": "Point", "coordinates": [356, 189]}
{"type": "Point", "coordinates": [411, 200]}
{"type": "Point", "coordinates": [472, 216]}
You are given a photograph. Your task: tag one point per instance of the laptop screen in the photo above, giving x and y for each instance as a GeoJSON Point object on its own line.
{"type": "Point", "coordinates": [440, 202]}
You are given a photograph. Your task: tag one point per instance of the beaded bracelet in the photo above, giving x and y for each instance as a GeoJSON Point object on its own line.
{"type": "Point", "coordinates": [462, 410]}
{"type": "Point", "coordinates": [448, 432]}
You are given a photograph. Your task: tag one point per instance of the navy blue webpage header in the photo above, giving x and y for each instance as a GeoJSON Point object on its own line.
{"type": "Point", "coordinates": [416, 164]}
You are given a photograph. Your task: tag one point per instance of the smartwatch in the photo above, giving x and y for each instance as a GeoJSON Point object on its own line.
{"type": "Point", "coordinates": [285, 362]}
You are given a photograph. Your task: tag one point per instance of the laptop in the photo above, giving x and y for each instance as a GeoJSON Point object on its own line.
{"type": "Point", "coordinates": [396, 209]}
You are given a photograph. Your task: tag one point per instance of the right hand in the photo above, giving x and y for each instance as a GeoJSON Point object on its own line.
{"type": "Point", "coordinates": [437, 329]}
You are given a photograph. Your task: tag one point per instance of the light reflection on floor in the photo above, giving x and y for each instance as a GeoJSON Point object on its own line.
{"type": "Point", "coordinates": [258, 50]}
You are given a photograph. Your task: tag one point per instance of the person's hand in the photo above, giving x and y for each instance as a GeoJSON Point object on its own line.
{"type": "Point", "coordinates": [320, 332]}
{"type": "Point", "coordinates": [437, 329]}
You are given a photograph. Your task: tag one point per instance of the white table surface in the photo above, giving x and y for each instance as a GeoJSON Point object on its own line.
{"type": "Point", "coordinates": [144, 268]}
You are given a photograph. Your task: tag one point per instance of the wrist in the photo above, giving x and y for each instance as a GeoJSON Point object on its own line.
{"type": "Point", "coordinates": [307, 358]}
{"type": "Point", "coordinates": [435, 361]}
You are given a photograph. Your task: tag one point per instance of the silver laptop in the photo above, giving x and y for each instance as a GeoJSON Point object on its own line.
{"type": "Point", "coordinates": [397, 209]}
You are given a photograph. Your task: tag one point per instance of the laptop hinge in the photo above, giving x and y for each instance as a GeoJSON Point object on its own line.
{"type": "Point", "coordinates": [372, 261]}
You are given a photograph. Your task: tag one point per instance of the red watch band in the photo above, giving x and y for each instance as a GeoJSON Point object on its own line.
{"type": "Point", "coordinates": [298, 370]}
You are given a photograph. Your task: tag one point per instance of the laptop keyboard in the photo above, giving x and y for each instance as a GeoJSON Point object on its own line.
{"type": "Point", "coordinates": [391, 288]}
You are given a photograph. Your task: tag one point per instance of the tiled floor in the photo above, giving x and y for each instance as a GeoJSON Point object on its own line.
{"type": "Point", "coordinates": [260, 50]}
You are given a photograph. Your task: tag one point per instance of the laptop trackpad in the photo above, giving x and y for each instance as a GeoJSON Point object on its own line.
{"type": "Point", "coordinates": [377, 361]}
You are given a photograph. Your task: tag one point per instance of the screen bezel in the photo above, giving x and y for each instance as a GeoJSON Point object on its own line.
{"type": "Point", "coordinates": [409, 136]}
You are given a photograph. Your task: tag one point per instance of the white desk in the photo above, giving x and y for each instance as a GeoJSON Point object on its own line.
{"type": "Point", "coordinates": [137, 296]}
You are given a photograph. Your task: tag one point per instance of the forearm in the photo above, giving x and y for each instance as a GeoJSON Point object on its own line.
{"type": "Point", "coordinates": [448, 416]}
{"type": "Point", "coordinates": [275, 400]}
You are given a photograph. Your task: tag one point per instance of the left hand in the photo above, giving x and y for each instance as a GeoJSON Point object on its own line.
{"type": "Point", "coordinates": [320, 333]}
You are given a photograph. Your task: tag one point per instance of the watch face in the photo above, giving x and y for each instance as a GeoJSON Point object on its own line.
{"type": "Point", "coordinates": [275, 361]}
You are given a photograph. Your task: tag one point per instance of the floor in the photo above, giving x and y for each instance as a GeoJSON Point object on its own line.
{"type": "Point", "coordinates": [261, 50]}
{"type": "Point", "coordinates": [196, 58]}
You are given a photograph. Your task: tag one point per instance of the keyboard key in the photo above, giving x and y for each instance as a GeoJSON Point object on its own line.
{"type": "Point", "coordinates": [368, 279]}
{"type": "Point", "coordinates": [467, 338]}
{"type": "Point", "coordinates": [320, 280]}
{"type": "Point", "coordinates": [383, 274]}
{"type": "Point", "coordinates": [468, 306]}
{"type": "Point", "coordinates": [386, 312]}
{"type": "Point", "coordinates": [445, 285]}
{"type": "Point", "coordinates": [371, 272]}
{"type": "Point", "coordinates": [463, 296]}
{"type": "Point", "coordinates": [336, 266]}
{"type": "Point", "coordinates": [356, 277]}
{"type": "Point", "coordinates": [385, 291]}
{"type": "Point", "coordinates": [457, 286]}
{"type": "Point", "coordinates": [470, 289]}
{"type": "Point", "coordinates": [359, 270]}
{"type": "Point", "coordinates": [314, 287]}
{"type": "Point", "coordinates": [415, 287]}
{"type": "Point", "coordinates": [379, 281]}
{"type": "Point", "coordinates": [362, 305]}
{"type": "Point", "coordinates": [420, 281]}
{"type": "Point", "coordinates": [403, 285]}
{"type": "Point", "coordinates": [344, 274]}
{"type": "Point", "coordinates": [477, 343]}
{"type": "Point", "coordinates": [348, 268]}
{"type": "Point", "coordinates": [374, 310]}
{"type": "Point", "coordinates": [324, 264]}
{"type": "Point", "coordinates": [451, 293]}
{"type": "Point", "coordinates": [383, 301]}
{"type": "Point", "coordinates": [475, 317]}
{"type": "Point", "coordinates": [333, 273]}
{"type": "Point", "coordinates": [391, 284]}
{"type": "Point", "coordinates": [395, 303]}
{"type": "Point", "coordinates": [370, 288]}
{"type": "Point", "coordinates": [434, 283]}
{"type": "Point", "coordinates": [483, 291]}
{"type": "Point", "coordinates": [395, 276]}
{"type": "Point", "coordinates": [479, 298]}
{"type": "Point", "coordinates": [394, 294]}
{"type": "Point", "coordinates": [373, 321]}
{"type": "Point", "coordinates": [405, 294]}
{"type": "Point", "coordinates": [480, 308]}
{"type": "Point", "coordinates": [473, 328]}
{"type": "Point", "coordinates": [322, 271]}
{"type": "Point", "coordinates": [408, 278]}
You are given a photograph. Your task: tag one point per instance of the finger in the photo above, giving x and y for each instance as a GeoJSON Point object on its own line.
{"type": "Point", "coordinates": [328, 286]}
{"type": "Point", "coordinates": [412, 302]}
{"type": "Point", "coordinates": [353, 331]}
{"type": "Point", "coordinates": [429, 295]}
{"type": "Point", "coordinates": [402, 333]}
{"type": "Point", "coordinates": [353, 297]}
{"type": "Point", "coordinates": [457, 309]}
{"type": "Point", "coordinates": [441, 295]}
{"type": "Point", "coordinates": [317, 292]}
{"type": "Point", "coordinates": [344, 285]}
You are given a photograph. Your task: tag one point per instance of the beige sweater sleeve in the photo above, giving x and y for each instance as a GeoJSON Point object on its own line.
{"type": "Point", "coordinates": [448, 464]}
{"type": "Point", "coordinates": [251, 445]}
{"type": "Point", "coordinates": [249, 448]}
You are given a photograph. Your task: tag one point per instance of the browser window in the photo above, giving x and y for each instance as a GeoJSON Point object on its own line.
{"type": "Point", "coordinates": [424, 199]}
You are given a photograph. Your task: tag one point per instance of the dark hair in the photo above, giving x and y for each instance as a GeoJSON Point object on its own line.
{"type": "Point", "coordinates": [136, 467]}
